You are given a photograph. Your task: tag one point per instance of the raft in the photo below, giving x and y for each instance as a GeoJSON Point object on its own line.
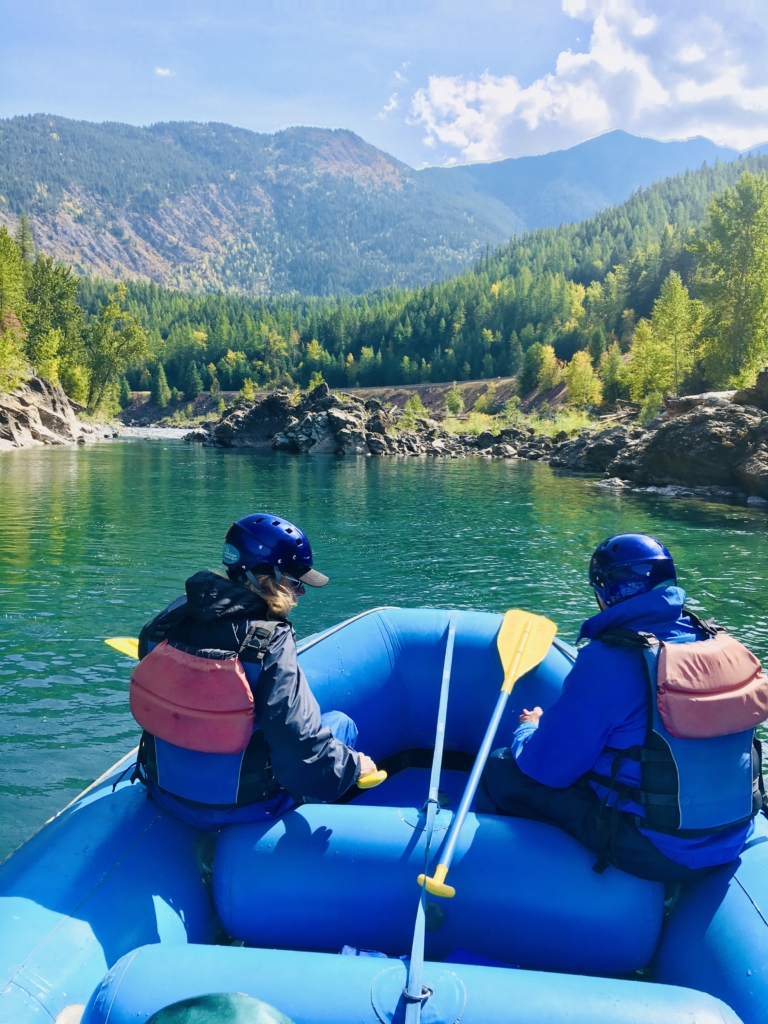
{"type": "Point", "coordinates": [105, 919]}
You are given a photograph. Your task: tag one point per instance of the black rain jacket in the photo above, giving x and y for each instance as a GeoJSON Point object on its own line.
{"type": "Point", "coordinates": [305, 758]}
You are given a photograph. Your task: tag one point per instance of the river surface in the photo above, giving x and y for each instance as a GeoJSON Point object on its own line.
{"type": "Point", "coordinates": [95, 541]}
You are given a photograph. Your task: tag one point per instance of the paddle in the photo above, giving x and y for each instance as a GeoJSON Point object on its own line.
{"type": "Point", "coordinates": [129, 646]}
{"type": "Point", "coordinates": [523, 641]}
{"type": "Point", "coordinates": [414, 991]}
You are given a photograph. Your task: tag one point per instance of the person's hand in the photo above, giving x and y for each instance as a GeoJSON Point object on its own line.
{"type": "Point", "coordinates": [531, 716]}
{"type": "Point", "coordinates": [367, 766]}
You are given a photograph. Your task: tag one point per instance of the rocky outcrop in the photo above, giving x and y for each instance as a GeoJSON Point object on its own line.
{"type": "Point", "coordinates": [756, 396]}
{"type": "Point", "coordinates": [722, 445]}
{"type": "Point", "coordinates": [678, 406]}
{"type": "Point", "coordinates": [38, 413]}
{"type": "Point", "coordinates": [594, 452]}
{"type": "Point", "coordinates": [254, 426]}
{"type": "Point", "coordinates": [324, 423]}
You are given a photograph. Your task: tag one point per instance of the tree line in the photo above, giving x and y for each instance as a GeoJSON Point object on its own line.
{"type": "Point", "coordinates": [666, 293]}
{"type": "Point", "coordinates": [43, 326]}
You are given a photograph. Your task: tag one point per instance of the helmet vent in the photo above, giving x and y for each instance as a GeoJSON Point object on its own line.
{"type": "Point", "coordinates": [260, 519]}
{"type": "Point", "coordinates": [288, 529]}
{"type": "Point", "coordinates": [275, 522]}
{"type": "Point", "coordinates": [299, 542]}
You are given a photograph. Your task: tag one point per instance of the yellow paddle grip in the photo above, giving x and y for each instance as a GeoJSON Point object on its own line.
{"type": "Point", "coordinates": [369, 781]}
{"type": "Point", "coordinates": [436, 884]}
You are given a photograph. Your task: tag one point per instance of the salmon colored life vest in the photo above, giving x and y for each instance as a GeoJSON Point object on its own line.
{"type": "Point", "coordinates": [700, 764]}
{"type": "Point", "coordinates": [194, 702]}
{"type": "Point", "coordinates": [714, 687]}
{"type": "Point", "coordinates": [201, 740]}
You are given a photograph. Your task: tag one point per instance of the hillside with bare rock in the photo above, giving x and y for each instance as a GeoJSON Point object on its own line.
{"type": "Point", "coordinates": [210, 206]}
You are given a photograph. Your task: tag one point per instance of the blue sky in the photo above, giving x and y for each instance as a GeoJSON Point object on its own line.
{"type": "Point", "coordinates": [430, 81]}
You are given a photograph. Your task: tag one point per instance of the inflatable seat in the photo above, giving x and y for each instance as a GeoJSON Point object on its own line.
{"type": "Point", "coordinates": [326, 876]}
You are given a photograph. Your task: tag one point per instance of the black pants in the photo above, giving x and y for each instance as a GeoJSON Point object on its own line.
{"type": "Point", "coordinates": [504, 789]}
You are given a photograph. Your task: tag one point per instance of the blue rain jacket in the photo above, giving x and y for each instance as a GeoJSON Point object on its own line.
{"type": "Point", "coordinates": [604, 704]}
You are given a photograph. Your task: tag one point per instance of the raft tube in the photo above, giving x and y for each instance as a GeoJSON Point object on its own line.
{"type": "Point", "coordinates": [384, 668]}
{"type": "Point", "coordinates": [324, 877]}
{"type": "Point", "coordinates": [716, 939]}
{"type": "Point", "coordinates": [318, 988]}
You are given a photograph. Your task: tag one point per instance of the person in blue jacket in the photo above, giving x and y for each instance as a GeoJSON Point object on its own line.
{"type": "Point", "coordinates": [296, 753]}
{"type": "Point", "coordinates": [580, 765]}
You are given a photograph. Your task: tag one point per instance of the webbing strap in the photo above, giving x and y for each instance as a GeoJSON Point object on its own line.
{"type": "Point", "coordinates": [414, 993]}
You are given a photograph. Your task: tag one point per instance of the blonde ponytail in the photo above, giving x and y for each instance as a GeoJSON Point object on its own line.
{"type": "Point", "coordinates": [278, 597]}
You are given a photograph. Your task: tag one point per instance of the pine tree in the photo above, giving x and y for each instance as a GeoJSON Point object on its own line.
{"type": "Point", "coordinates": [612, 373]}
{"type": "Point", "coordinates": [160, 393]}
{"type": "Point", "coordinates": [515, 357]}
{"type": "Point", "coordinates": [454, 402]}
{"type": "Point", "coordinates": [732, 279]}
{"type": "Point", "coordinates": [649, 370]}
{"type": "Point", "coordinates": [125, 397]}
{"type": "Point", "coordinates": [114, 340]}
{"type": "Point", "coordinates": [597, 344]}
{"type": "Point", "coordinates": [676, 321]}
{"type": "Point", "coordinates": [193, 384]}
{"type": "Point", "coordinates": [24, 239]}
{"type": "Point", "coordinates": [529, 374]}
{"type": "Point", "coordinates": [550, 371]}
{"type": "Point", "coordinates": [12, 363]}
{"type": "Point", "coordinates": [584, 387]}
{"type": "Point", "coordinates": [11, 278]}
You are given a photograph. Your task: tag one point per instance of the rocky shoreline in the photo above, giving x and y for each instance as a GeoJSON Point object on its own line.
{"type": "Point", "coordinates": [712, 446]}
{"type": "Point", "coordinates": [324, 423]}
{"type": "Point", "coordinates": [37, 413]}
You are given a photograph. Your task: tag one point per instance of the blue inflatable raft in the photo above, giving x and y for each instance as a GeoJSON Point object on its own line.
{"type": "Point", "coordinates": [104, 918]}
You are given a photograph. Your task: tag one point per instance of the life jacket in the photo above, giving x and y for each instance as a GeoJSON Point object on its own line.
{"type": "Point", "coordinates": [201, 739]}
{"type": "Point", "coordinates": [700, 764]}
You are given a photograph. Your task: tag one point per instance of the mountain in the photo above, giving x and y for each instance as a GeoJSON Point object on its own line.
{"type": "Point", "coordinates": [211, 207]}
{"type": "Point", "coordinates": [555, 286]}
{"type": "Point", "coordinates": [571, 185]}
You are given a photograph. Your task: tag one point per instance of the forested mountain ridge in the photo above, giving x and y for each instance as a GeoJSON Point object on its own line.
{"type": "Point", "coordinates": [664, 292]}
{"type": "Point", "coordinates": [570, 185]}
{"type": "Point", "coordinates": [557, 287]}
{"type": "Point", "coordinates": [210, 207]}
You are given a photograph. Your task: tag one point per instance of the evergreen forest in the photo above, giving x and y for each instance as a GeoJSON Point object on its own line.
{"type": "Point", "coordinates": [666, 293]}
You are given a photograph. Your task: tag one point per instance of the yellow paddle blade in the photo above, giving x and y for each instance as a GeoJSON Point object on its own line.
{"type": "Point", "coordinates": [523, 642]}
{"type": "Point", "coordinates": [127, 645]}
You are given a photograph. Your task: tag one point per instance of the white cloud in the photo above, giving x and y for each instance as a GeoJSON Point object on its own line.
{"type": "Point", "coordinates": [163, 72]}
{"type": "Point", "coordinates": [664, 68]}
{"type": "Point", "coordinates": [392, 104]}
{"type": "Point", "coordinates": [690, 54]}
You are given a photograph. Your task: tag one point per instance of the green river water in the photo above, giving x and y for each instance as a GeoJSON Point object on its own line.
{"type": "Point", "coordinates": [95, 541]}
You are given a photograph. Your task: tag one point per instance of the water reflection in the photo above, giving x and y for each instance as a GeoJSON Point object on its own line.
{"type": "Point", "coordinates": [93, 542]}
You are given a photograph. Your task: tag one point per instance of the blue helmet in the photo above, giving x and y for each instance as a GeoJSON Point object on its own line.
{"type": "Point", "coordinates": [263, 544]}
{"type": "Point", "coordinates": [629, 564]}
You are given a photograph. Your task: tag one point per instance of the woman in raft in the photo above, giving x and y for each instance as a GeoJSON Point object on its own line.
{"type": "Point", "coordinates": [232, 731]}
